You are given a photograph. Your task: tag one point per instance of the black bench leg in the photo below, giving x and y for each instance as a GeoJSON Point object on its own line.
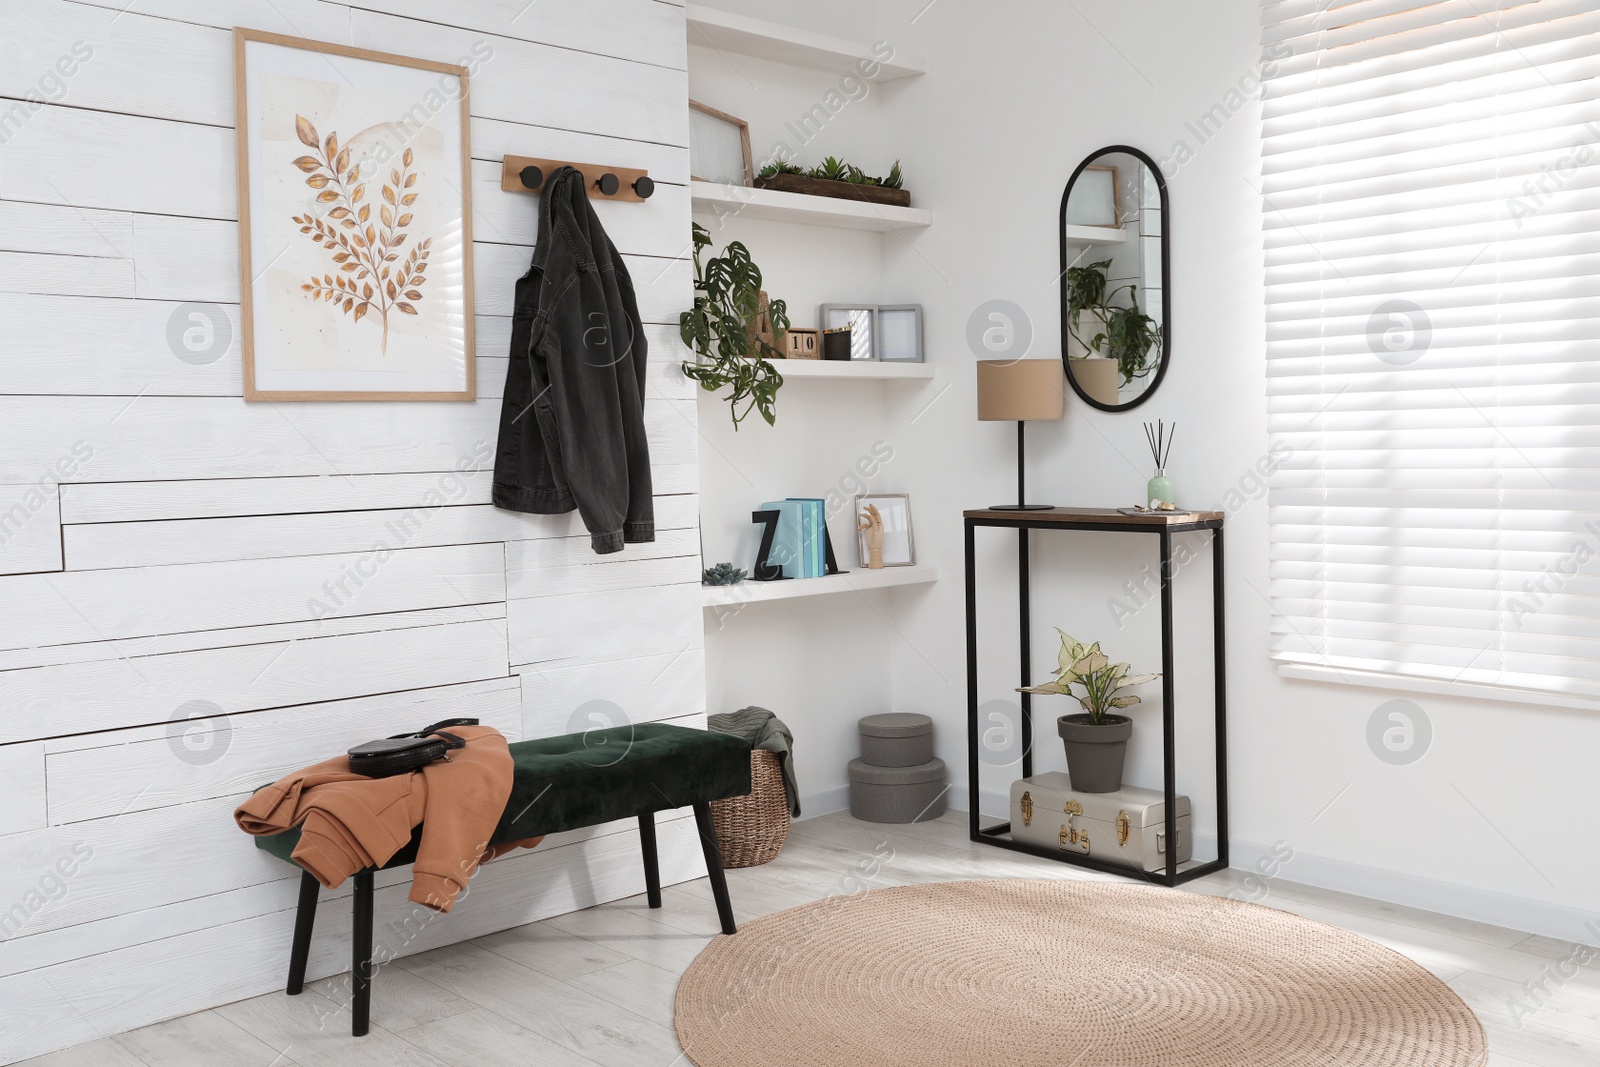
{"type": "Point", "coordinates": [652, 866]}
{"type": "Point", "coordinates": [361, 956]}
{"type": "Point", "coordinates": [305, 917]}
{"type": "Point", "coordinates": [719, 880]}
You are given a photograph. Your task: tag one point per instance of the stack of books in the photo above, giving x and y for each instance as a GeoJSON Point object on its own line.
{"type": "Point", "coordinates": [800, 545]}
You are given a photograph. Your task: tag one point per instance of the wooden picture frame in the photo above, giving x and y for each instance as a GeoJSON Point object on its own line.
{"type": "Point", "coordinates": [714, 136]}
{"type": "Point", "coordinates": [319, 127]}
{"type": "Point", "coordinates": [1089, 210]}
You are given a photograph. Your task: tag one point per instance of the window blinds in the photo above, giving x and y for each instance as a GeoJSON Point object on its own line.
{"type": "Point", "coordinates": [1431, 189]}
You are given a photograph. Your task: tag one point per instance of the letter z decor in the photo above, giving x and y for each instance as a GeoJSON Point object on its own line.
{"type": "Point", "coordinates": [355, 223]}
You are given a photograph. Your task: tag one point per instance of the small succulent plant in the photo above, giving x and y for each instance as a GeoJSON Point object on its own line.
{"type": "Point", "coordinates": [722, 574]}
{"type": "Point", "coordinates": [833, 169]}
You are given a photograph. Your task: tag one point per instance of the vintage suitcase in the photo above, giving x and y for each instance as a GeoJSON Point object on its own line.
{"type": "Point", "coordinates": [1126, 827]}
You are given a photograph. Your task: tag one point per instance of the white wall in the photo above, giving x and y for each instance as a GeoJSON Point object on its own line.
{"type": "Point", "coordinates": [820, 664]}
{"type": "Point", "coordinates": [1490, 822]}
{"type": "Point", "coordinates": [172, 571]}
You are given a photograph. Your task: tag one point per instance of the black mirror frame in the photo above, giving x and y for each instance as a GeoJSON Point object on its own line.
{"type": "Point", "coordinates": [1166, 279]}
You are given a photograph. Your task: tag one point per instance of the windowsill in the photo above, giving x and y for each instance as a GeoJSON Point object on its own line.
{"type": "Point", "coordinates": [1410, 684]}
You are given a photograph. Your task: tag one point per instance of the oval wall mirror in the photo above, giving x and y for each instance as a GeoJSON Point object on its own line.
{"type": "Point", "coordinates": [1116, 323]}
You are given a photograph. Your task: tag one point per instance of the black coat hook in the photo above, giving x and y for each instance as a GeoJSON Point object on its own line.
{"type": "Point", "coordinates": [608, 184]}
{"type": "Point", "coordinates": [532, 177]}
{"type": "Point", "coordinates": [643, 186]}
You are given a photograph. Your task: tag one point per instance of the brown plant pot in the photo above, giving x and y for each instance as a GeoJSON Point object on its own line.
{"type": "Point", "coordinates": [1095, 752]}
{"type": "Point", "coordinates": [871, 194]}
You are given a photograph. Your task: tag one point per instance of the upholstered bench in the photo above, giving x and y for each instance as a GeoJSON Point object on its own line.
{"type": "Point", "coordinates": [565, 783]}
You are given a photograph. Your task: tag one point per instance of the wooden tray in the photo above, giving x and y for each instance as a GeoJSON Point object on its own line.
{"type": "Point", "coordinates": [799, 183]}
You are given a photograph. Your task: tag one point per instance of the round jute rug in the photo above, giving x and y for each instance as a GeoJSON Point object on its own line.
{"type": "Point", "coordinates": [1012, 973]}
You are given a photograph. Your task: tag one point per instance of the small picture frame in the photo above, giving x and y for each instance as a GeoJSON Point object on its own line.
{"type": "Point", "coordinates": [862, 319]}
{"type": "Point", "coordinates": [899, 549]}
{"type": "Point", "coordinates": [719, 146]}
{"type": "Point", "coordinates": [900, 333]}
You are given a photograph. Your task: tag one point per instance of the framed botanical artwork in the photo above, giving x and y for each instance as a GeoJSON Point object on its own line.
{"type": "Point", "coordinates": [355, 223]}
{"type": "Point", "coordinates": [895, 511]}
{"type": "Point", "coordinates": [719, 146]}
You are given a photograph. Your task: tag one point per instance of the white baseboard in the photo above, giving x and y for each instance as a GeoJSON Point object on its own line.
{"type": "Point", "coordinates": [826, 802]}
{"type": "Point", "coordinates": [1446, 898]}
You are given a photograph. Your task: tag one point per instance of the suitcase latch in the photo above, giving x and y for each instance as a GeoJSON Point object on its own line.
{"type": "Point", "coordinates": [1122, 828]}
{"type": "Point", "coordinates": [1070, 834]}
{"type": "Point", "coordinates": [1027, 809]}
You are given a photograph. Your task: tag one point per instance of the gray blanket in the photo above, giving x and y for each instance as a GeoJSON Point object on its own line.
{"type": "Point", "coordinates": [763, 730]}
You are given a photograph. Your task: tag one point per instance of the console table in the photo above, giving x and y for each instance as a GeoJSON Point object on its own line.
{"type": "Point", "coordinates": [1103, 520]}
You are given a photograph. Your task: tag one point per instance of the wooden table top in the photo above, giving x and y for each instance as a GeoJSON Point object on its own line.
{"type": "Point", "coordinates": [1108, 516]}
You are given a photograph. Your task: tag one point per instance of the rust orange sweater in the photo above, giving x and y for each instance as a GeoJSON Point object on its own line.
{"type": "Point", "coordinates": [349, 822]}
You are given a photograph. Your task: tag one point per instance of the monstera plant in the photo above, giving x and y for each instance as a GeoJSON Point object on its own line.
{"type": "Point", "coordinates": [1096, 739]}
{"type": "Point", "coordinates": [722, 330]}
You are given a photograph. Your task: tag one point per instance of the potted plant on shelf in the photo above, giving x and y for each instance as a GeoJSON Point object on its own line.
{"type": "Point", "coordinates": [734, 330]}
{"type": "Point", "coordinates": [1096, 738]}
{"type": "Point", "coordinates": [834, 177]}
{"type": "Point", "coordinates": [1109, 344]}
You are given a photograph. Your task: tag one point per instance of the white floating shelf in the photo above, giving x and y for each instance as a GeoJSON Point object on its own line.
{"type": "Point", "coordinates": [742, 201]}
{"type": "Point", "coordinates": [859, 369]}
{"type": "Point", "coordinates": [748, 592]}
{"type": "Point", "coordinates": [723, 30]}
{"type": "Point", "coordinates": [1096, 235]}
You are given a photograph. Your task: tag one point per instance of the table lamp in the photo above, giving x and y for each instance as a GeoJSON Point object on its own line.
{"type": "Point", "coordinates": [1021, 391]}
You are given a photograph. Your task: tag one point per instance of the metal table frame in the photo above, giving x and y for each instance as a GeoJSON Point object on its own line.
{"type": "Point", "coordinates": [1102, 522]}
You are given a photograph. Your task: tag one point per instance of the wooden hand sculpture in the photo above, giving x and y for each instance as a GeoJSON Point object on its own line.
{"type": "Point", "coordinates": [872, 525]}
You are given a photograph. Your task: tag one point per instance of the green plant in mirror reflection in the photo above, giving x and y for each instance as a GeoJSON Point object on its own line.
{"type": "Point", "coordinates": [1126, 334]}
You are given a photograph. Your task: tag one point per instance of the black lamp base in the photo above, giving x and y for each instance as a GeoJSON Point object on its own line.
{"type": "Point", "coordinates": [1022, 491]}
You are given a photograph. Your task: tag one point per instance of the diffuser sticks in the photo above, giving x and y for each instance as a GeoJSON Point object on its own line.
{"type": "Point", "coordinates": [1160, 439]}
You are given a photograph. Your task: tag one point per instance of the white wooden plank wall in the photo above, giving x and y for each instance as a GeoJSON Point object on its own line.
{"type": "Point", "coordinates": [197, 596]}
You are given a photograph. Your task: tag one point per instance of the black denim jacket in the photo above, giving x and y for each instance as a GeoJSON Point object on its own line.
{"type": "Point", "coordinates": [572, 422]}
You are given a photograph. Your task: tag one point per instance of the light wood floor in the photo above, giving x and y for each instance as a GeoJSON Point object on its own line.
{"type": "Point", "coordinates": [595, 987]}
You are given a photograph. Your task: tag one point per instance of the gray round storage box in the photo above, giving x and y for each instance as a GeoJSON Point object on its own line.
{"type": "Point", "coordinates": [896, 739]}
{"type": "Point", "coordinates": [897, 794]}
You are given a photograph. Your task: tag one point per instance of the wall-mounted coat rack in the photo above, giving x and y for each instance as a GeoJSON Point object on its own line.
{"type": "Point", "coordinates": [525, 174]}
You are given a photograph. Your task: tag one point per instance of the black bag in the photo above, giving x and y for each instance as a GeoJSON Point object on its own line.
{"type": "Point", "coordinates": [403, 753]}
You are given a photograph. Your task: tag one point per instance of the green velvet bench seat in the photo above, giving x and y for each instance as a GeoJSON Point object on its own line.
{"type": "Point", "coordinates": [565, 783]}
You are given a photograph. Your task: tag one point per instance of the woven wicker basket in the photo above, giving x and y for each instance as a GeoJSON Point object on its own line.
{"type": "Point", "coordinates": [751, 829]}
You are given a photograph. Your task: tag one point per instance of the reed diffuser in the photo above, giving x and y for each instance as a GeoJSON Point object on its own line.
{"type": "Point", "coordinates": [1159, 490]}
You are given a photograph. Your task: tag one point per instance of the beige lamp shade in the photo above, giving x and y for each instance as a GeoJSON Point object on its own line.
{"type": "Point", "coordinates": [1021, 390]}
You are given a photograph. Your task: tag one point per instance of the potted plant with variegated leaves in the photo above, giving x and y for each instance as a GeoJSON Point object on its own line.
{"type": "Point", "coordinates": [1096, 738]}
